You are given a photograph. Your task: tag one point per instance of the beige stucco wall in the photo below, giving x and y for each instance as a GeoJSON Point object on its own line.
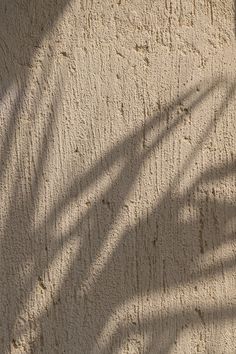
{"type": "Point", "coordinates": [117, 180]}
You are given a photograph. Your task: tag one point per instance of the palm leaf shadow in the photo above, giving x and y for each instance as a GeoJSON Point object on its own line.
{"type": "Point", "coordinates": [23, 26]}
{"type": "Point", "coordinates": [18, 45]}
{"type": "Point", "coordinates": [19, 245]}
{"type": "Point", "coordinates": [118, 192]}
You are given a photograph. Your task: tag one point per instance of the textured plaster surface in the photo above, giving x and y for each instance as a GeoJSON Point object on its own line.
{"type": "Point", "coordinates": [117, 179]}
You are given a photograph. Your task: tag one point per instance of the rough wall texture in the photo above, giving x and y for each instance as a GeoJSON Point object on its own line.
{"type": "Point", "coordinates": [117, 180]}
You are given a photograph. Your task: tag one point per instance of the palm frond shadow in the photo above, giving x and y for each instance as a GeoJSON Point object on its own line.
{"type": "Point", "coordinates": [145, 257]}
{"type": "Point", "coordinates": [23, 26]}
{"type": "Point", "coordinates": [18, 45]}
